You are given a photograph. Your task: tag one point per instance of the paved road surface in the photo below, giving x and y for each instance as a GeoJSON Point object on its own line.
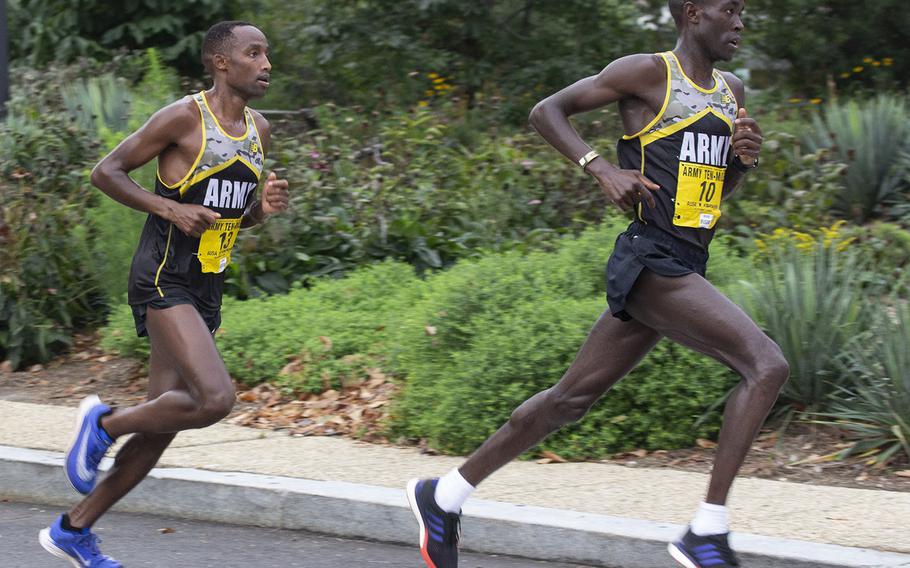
{"type": "Point", "coordinates": [138, 541]}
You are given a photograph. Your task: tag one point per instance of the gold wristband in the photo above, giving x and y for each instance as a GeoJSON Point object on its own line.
{"type": "Point", "coordinates": [587, 159]}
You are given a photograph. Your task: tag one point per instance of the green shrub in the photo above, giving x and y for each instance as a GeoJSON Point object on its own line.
{"type": "Point", "coordinates": [320, 338]}
{"type": "Point", "coordinates": [870, 137]}
{"type": "Point", "coordinates": [49, 283]}
{"type": "Point", "coordinates": [404, 186]}
{"type": "Point", "coordinates": [875, 406]}
{"type": "Point", "coordinates": [508, 325]}
{"type": "Point", "coordinates": [792, 188]}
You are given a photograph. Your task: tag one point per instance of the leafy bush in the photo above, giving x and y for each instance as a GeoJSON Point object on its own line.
{"type": "Point", "coordinates": [875, 407]}
{"type": "Point", "coordinates": [306, 340]}
{"type": "Point", "coordinates": [870, 137]}
{"type": "Point", "coordinates": [811, 298]}
{"type": "Point", "coordinates": [48, 279]}
{"type": "Point", "coordinates": [508, 325]}
{"type": "Point", "coordinates": [44, 31]}
{"type": "Point", "coordinates": [791, 189]}
{"type": "Point", "coordinates": [405, 187]}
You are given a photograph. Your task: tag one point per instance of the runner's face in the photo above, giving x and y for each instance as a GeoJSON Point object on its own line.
{"type": "Point", "coordinates": [721, 26]}
{"type": "Point", "coordinates": [250, 69]}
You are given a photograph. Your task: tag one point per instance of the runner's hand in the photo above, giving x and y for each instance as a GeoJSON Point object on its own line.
{"type": "Point", "coordinates": [191, 219]}
{"type": "Point", "coordinates": [625, 188]}
{"type": "Point", "coordinates": [747, 138]}
{"type": "Point", "coordinates": [274, 195]}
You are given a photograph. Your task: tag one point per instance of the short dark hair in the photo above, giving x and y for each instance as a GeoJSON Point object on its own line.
{"type": "Point", "coordinates": [219, 38]}
{"type": "Point", "coordinates": [676, 10]}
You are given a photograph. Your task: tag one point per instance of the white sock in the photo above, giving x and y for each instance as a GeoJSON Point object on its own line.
{"type": "Point", "coordinates": [710, 519]}
{"type": "Point", "coordinates": [452, 491]}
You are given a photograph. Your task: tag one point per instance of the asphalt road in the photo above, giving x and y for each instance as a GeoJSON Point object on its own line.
{"type": "Point", "coordinates": [146, 541]}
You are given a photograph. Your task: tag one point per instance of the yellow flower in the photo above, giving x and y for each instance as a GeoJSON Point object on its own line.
{"type": "Point", "coordinates": [815, 101]}
{"type": "Point", "coordinates": [760, 245]}
{"type": "Point", "coordinates": [423, 104]}
{"type": "Point", "coordinates": [795, 100]}
{"type": "Point", "coordinates": [887, 61]}
{"type": "Point", "coordinates": [432, 75]}
{"type": "Point", "coordinates": [858, 69]}
{"type": "Point", "coordinates": [428, 93]}
{"type": "Point", "coordinates": [439, 80]}
{"type": "Point", "coordinates": [876, 63]}
{"type": "Point", "coordinates": [440, 87]}
{"type": "Point", "coordinates": [844, 75]}
{"type": "Point", "coordinates": [867, 60]}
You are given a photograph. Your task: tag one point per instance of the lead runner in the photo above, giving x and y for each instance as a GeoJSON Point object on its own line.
{"type": "Point", "coordinates": [689, 143]}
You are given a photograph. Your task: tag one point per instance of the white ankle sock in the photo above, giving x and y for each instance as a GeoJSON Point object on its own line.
{"type": "Point", "coordinates": [709, 519]}
{"type": "Point", "coordinates": [452, 491]}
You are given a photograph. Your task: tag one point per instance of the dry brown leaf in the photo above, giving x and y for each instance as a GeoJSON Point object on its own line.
{"type": "Point", "coordinates": [247, 396]}
{"type": "Point", "coordinates": [553, 457]}
{"type": "Point", "coordinates": [167, 530]}
{"type": "Point", "coordinates": [6, 366]}
{"type": "Point", "coordinates": [903, 473]}
{"type": "Point", "coordinates": [639, 453]}
{"type": "Point", "coordinates": [707, 444]}
{"type": "Point", "coordinates": [544, 461]}
{"type": "Point", "coordinates": [430, 330]}
{"type": "Point", "coordinates": [326, 342]}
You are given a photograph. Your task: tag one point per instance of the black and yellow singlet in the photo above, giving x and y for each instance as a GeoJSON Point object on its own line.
{"type": "Point", "coordinates": [686, 150]}
{"type": "Point", "coordinates": [223, 178]}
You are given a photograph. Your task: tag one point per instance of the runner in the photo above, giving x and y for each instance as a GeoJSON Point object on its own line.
{"type": "Point", "coordinates": [210, 149]}
{"type": "Point", "coordinates": [689, 143]}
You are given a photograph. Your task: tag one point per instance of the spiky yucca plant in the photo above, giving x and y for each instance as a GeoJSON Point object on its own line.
{"type": "Point", "coordinates": [870, 137]}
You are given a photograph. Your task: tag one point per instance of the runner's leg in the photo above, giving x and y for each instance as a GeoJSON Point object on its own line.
{"type": "Point", "coordinates": [182, 336]}
{"type": "Point", "coordinates": [692, 312]}
{"type": "Point", "coordinates": [612, 349]}
{"type": "Point", "coordinates": [166, 381]}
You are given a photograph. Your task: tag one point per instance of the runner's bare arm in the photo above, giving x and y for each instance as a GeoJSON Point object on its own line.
{"type": "Point", "coordinates": [747, 137]}
{"type": "Point", "coordinates": [627, 77]}
{"type": "Point", "coordinates": [274, 196]}
{"type": "Point", "coordinates": [162, 130]}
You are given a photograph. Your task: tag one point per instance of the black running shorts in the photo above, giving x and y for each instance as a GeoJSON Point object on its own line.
{"type": "Point", "coordinates": [643, 246]}
{"type": "Point", "coordinates": [212, 318]}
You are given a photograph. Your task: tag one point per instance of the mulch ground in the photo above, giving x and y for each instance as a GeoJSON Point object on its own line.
{"type": "Point", "coordinates": [804, 453]}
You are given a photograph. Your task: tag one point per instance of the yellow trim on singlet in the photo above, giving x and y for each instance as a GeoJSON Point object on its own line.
{"type": "Point", "coordinates": [218, 124]}
{"type": "Point", "coordinates": [663, 108]}
{"type": "Point", "coordinates": [258, 136]}
{"type": "Point", "coordinates": [167, 248]}
{"type": "Point", "coordinates": [710, 91]}
{"type": "Point", "coordinates": [224, 165]}
{"type": "Point", "coordinates": [195, 162]}
{"type": "Point", "coordinates": [642, 173]}
{"type": "Point", "coordinates": [732, 93]}
{"type": "Point", "coordinates": [676, 127]}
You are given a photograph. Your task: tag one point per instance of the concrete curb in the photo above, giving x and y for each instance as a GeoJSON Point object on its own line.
{"type": "Point", "coordinates": [380, 513]}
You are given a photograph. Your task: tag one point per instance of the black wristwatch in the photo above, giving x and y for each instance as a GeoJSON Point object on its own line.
{"type": "Point", "coordinates": [742, 168]}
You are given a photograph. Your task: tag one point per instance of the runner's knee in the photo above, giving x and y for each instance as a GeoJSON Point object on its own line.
{"type": "Point", "coordinates": [772, 370]}
{"type": "Point", "coordinates": [566, 407]}
{"type": "Point", "coordinates": [216, 405]}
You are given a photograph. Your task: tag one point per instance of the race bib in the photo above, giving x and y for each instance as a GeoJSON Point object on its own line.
{"type": "Point", "coordinates": [698, 195]}
{"type": "Point", "coordinates": [216, 243]}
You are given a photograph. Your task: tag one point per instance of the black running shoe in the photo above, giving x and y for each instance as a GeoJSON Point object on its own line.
{"type": "Point", "coordinates": [712, 551]}
{"type": "Point", "coordinates": [439, 530]}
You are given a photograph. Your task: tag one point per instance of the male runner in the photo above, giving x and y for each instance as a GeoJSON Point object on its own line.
{"type": "Point", "coordinates": [210, 149]}
{"type": "Point", "coordinates": [688, 142]}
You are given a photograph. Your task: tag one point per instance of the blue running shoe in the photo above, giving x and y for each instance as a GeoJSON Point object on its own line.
{"type": "Point", "coordinates": [439, 530]}
{"type": "Point", "coordinates": [711, 551]}
{"type": "Point", "coordinates": [80, 548]}
{"type": "Point", "coordinates": [89, 445]}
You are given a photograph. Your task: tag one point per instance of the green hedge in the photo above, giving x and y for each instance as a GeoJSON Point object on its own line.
{"type": "Point", "coordinates": [470, 344]}
{"type": "Point", "coordinates": [508, 325]}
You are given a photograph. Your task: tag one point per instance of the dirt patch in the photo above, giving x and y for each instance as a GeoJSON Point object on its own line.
{"type": "Point", "coordinates": [803, 454]}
